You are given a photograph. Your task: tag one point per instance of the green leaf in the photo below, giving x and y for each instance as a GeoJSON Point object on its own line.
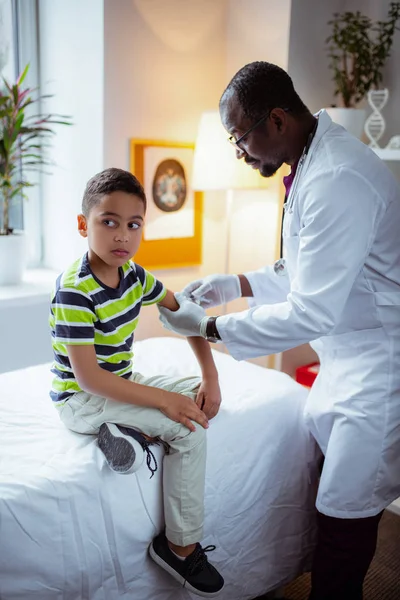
{"type": "Point", "coordinates": [22, 76]}
{"type": "Point", "coordinates": [357, 49]}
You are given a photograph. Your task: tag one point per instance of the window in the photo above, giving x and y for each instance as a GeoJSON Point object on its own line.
{"type": "Point", "coordinates": [18, 47]}
{"type": "Point", "coordinates": [7, 60]}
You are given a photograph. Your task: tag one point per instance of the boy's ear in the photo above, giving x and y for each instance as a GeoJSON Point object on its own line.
{"type": "Point", "coordinates": [82, 225]}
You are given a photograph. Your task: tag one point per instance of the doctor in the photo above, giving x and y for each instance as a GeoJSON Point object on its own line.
{"type": "Point", "coordinates": [338, 287]}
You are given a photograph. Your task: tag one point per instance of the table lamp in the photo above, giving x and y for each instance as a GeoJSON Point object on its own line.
{"type": "Point", "coordinates": [215, 167]}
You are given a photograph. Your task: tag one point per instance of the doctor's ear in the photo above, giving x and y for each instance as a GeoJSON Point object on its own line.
{"type": "Point", "coordinates": [82, 225]}
{"type": "Point", "coordinates": [278, 118]}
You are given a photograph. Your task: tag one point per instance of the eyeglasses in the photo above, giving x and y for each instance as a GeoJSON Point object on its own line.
{"type": "Point", "coordinates": [231, 139]}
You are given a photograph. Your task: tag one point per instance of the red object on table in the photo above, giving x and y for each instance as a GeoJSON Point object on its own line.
{"type": "Point", "coordinates": [307, 374]}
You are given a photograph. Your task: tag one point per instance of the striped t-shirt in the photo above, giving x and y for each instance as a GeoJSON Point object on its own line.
{"type": "Point", "coordinates": [85, 311]}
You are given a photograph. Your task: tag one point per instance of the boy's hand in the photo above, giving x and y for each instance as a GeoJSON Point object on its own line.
{"type": "Point", "coordinates": [209, 397]}
{"type": "Point", "coordinates": [183, 410]}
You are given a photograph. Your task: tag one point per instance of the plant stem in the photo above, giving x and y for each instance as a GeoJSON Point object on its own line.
{"type": "Point", "coordinates": [6, 214]}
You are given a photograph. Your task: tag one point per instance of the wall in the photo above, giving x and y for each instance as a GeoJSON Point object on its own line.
{"type": "Point", "coordinates": [182, 56]}
{"type": "Point", "coordinates": [71, 68]}
{"type": "Point", "coordinates": [257, 30]}
{"type": "Point", "coordinates": [308, 61]}
{"type": "Point", "coordinates": [164, 62]}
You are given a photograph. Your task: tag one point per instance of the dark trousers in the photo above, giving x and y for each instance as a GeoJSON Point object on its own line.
{"type": "Point", "coordinates": [344, 551]}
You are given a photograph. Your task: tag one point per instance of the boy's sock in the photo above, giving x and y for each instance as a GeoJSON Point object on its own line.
{"type": "Point", "coordinates": [177, 555]}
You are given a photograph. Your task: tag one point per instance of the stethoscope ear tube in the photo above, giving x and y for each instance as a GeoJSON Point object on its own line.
{"type": "Point", "coordinates": [280, 264]}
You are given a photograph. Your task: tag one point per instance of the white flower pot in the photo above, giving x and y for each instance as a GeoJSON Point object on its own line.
{"type": "Point", "coordinates": [12, 258]}
{"type": "Point", "coordinates": [352, 119]}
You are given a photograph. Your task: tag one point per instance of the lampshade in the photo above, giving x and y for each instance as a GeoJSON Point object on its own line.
{"type": "Point", "coordinates": [215, 166]}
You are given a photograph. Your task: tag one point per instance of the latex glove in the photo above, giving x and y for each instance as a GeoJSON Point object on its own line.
{"type": "Point", "coordinates": [213, 290]}
{"type": "Point", "coordinates": [186, 320]}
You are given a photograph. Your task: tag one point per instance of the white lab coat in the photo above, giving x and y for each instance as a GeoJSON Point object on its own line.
{"type": "Point", "coordinates": [342, 293]}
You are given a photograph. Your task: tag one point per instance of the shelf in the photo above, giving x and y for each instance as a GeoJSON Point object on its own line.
{"type": "Point", "coordinates": [387, 153]}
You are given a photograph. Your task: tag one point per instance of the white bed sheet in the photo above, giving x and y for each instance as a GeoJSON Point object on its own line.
{"type": "Point", "coordinates": [72, 529]}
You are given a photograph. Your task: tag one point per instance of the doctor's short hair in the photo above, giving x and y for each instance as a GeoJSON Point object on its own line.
{"type": "Point", "coordinates": [261, 86]}
{"type": "Point", "coordinates": [109, 181]}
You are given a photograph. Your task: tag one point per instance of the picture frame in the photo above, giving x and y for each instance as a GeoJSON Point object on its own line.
{"type": "Point", "coordinates": [172, 236]}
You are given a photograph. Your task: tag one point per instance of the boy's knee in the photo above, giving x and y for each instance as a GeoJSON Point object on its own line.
{"type": "Point", "coordinates": [198, 436]}
{"type": "Point", "coordinates": [190, 439]}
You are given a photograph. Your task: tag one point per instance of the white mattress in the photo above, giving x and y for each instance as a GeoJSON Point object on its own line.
{"type": "Point", "coordinates": [72, 529]}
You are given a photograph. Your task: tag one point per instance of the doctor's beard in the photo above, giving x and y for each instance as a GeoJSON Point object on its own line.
{"type": "Point", "coordinates": [268, 169]}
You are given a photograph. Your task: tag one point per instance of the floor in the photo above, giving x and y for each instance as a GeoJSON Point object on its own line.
{"type": "Point", "coordinates": [383, 578]}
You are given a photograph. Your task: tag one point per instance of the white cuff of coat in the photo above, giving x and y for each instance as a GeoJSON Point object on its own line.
{"type": "Point", "coordinates": [267, 286]}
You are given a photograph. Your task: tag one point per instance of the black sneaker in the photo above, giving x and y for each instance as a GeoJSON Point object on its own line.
{"type": "Point", "coordinates": [123, 452]}
{"type": "Point", "coordinates": [194, 573]}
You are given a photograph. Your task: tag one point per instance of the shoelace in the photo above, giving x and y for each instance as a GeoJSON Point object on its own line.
{"type": "Point", "coordinates": [145, 445]}
{"type": "Point", "coordinates": [150, 456]}
{"type": "Point", "coordinates": [198, 559]}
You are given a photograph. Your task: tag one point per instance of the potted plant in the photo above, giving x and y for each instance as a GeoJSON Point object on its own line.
{"type": "Point", "coordinates": [358, 49]}
{"type": "Point", "coordinates": [24, 138]}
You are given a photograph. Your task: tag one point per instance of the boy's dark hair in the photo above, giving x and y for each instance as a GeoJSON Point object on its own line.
{"type": "Point", "coordinates": [108, 181]}
{"type": "Point", "coordinates": [261, 86]}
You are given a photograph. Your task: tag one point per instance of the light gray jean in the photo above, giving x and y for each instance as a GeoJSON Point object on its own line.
{"type": "Point", "coordinates": [184, 466]}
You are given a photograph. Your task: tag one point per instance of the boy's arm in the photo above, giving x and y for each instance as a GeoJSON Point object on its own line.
{"type": "Point", "coordinates": [209, 395]}
{"type": "Point", "coordinates": [95, 380]}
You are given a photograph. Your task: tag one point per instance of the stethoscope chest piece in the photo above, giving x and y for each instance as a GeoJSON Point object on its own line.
{"type": "Point", "coordinates": [280, 267]}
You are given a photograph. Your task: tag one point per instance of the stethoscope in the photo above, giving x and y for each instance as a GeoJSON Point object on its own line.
{"type": "Point", "coordinates": [280, 267]}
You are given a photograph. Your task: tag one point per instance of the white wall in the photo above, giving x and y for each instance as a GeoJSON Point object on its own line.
{"type": "Point", "coordinates": [71, 68]}
{"type": "Point", "coordinates": [164, 63]}
{"type": "Point", "coordinates": [257, 30]}
{"type": "Point", "coordinates": [181, 56]}
{"type": "Point", "coordinates": [308, 62]}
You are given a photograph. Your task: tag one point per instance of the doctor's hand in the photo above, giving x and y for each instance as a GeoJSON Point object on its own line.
{"type": "Point", "coordinates": [186, 320]}
{"type": "Point", "coordinates": [213, 290]}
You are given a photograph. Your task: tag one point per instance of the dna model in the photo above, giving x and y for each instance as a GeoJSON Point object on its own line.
{"type": "Point", "coordinates": [375, 124]}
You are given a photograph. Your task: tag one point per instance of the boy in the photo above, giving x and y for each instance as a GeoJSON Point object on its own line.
{"type": "Point", "coordinates": [94, 312]}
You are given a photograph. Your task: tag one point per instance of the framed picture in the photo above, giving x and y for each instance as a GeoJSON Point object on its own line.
{"type": "Point", "coordinates": [172, 235]}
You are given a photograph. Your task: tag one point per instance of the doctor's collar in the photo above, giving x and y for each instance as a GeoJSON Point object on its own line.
{"type": "Point", "coordinates": [311, 136]}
